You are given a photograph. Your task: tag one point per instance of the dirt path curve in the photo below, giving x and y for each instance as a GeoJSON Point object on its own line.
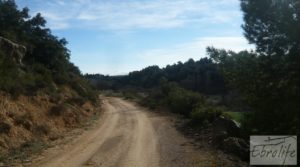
{"type": "Point", "coordinates": [125, 136]}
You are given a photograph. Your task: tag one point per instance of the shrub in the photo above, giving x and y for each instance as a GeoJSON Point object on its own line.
{"type": "Point", "coordinates": [151, 103]}
{"type": "Point", "coordinates": [46, 61]}
{"type": "Point", "coordinates": [24, 120]}
{"type": "Point", "coordinates": [183, 101]}
{"type": "Point", "coordinates": [60, 78]}
{"type": "Point", "coordinates": [76, 100]}
{"type": "Point", "coordinates": [153, 100]}
{"type": "Point", "coordinates": [84, 89]}
{"type": "Point", "coordinates": [129, 94]}
{"type": "Point", "coordinates": [30, 147]}
{"type": "Point", "coordinates": [205, 114]}
{"type": "Point", "coordinates": [42, 129]}
{"type": "Point", "coordinates": [58, 110]}
{"type": "Point", "coordinates": [237, 116]}
{"type": "Point", "coordinates": [9, 75]}
{"type": "Point", "coordinates": [55, 96]}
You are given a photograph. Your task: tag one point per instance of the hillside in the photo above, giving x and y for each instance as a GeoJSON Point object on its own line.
{"type": "Point", "coordinates": [42, 94]}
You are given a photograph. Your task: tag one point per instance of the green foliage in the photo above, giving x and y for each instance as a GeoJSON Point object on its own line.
{"type": "Point", "coordinates": [269, 92]}
{"type": "Point", "coordinates": [239, 69]}
{"type": "Point", "coordinates": [130, 94]}
{"type": "Point", "coordinates": [273, 26]}
{"type": "Point", "coordinates": [22, 153]}
{"type": "Point", "coordinates": [270, 77]}
{"type": "Point", "coordinates": [180, 100]}
{"type": "Point", "coordinates": [76, 100]}
{"type": "Point", "coordinates": [8, 73]}
{"type": "Point", "coordinates": [14, 80]}
{"type": "Point", "coordinates": [237, 116]}
{"type": "Point", "coordinates": [146, 78]}
{"type": "Point", "coordinates": [184, 102]}
{"type": "Point", "coordinates": [83, 88]}
{"type": "Point", "coordinates": [203, 114]}
{"type": "Point", "coordinates": [46, 62]}
{"type": "Point", "coordinates": [154, 99]}
{"type": "Point", "coordinates": [175, 98]}
{"type": "Point", "coordinates": [200, 76]}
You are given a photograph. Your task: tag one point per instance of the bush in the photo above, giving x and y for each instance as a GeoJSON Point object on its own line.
{"type": "Point", "coordinates": [76, 100]}
{"type": "Point", "coordinates": [128, 94]}
{"type": "Point", "coordinates": [24, 120]}
{"type": "Point", "coordinates": [237, 116]}
{"type": "Point", "coordinates": [42, 130]}
{"type": "Point", "coordinates": [153, 100]}
{"type": "Point", "coordinates": [182, 101]}
{"type": "Point", "coordinates": [83, 88]}
{"type": "Point", "coordinates": [30, 147]}
{"type": "Point", "coordinates": [9, 75]}
{"type": "Point", "coordinates": [60, 78]}
{"type": "Point", "coordinates": [151, 103]}
{"type": "Point", "coordinates": [205, 114]}
{"type": "Point", "coordinates": [46, 61]}
{"type": "Point", "coordinates": [173, 97]}
{"type": "Point", "coordinates": [58, 110]}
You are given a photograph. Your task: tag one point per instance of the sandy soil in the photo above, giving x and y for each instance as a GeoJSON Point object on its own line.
{"type": "Point", "coordinates": [128, 136]}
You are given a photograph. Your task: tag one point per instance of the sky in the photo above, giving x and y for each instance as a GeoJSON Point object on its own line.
{"type": "Point", "coordinates": [114, 37]}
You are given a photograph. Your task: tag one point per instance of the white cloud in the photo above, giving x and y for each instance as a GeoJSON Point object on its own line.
{"type": "Point", "coordinates": [55, 21]}
{"type": "Point", "coordinates": [133, 14]}
{"type": "Point", "coordinates": [195, 50]}
{"type": "Point", "coordinates": [162, 57]}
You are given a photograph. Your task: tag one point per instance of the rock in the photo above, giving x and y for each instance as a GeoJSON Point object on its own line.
{"type": "Point", "coordinates": [219, 137]}
{"type": "Point", "coordinates": [222, 124]}
{"type": "Point", "coordinates": [15, 51]}
{"type": "Point", "coordinates": [236, 146]}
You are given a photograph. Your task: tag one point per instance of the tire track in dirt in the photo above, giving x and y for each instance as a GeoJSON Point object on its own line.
{"type": "Point", "coordinates": [123, 137]}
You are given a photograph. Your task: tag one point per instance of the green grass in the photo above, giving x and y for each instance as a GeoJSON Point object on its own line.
{"type": "Point", "coordinates": [237, 116]}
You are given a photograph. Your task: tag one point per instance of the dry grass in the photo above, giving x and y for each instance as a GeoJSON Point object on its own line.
{"type": "Point", "coordinates": [25, 119]}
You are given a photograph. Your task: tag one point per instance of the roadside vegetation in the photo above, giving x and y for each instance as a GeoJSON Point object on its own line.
{"type": "Point", "coordinates": [42, 94]}
{"type": "Point", "coordinates": [184, 102]}
{"type": "Point", "coordinates": [46, 64]}
{"type": "Point", "coordinates": [264, 81]}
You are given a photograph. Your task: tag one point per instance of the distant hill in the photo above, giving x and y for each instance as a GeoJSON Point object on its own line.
{"type": "Point", "coordinates": [200, 76]}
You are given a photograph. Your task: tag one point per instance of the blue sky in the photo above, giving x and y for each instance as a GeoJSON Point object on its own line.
{"type": "Point", "coordinates": [118, 36]}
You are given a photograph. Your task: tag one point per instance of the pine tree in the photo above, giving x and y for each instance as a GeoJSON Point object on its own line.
{"type": "Point", "coordinates": [273, 26]}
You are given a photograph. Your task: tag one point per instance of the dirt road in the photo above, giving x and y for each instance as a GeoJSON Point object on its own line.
{"type": "Point", "coordinates": [127, 136]}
